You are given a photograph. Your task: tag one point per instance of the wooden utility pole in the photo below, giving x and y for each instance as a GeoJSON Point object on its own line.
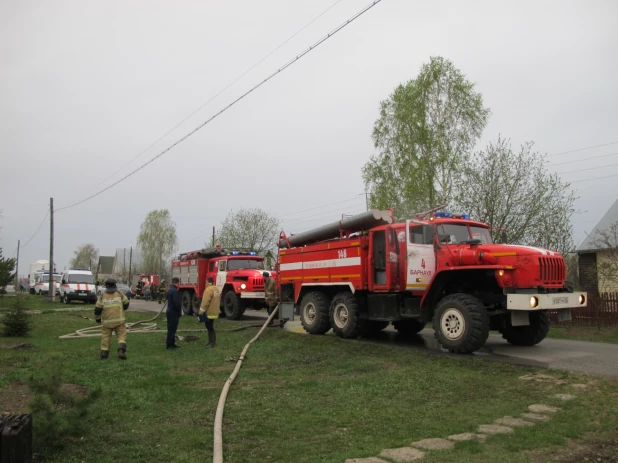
{"type": "Point", "coordinates": [17, 282]}
{"type": "Point", "coordinates": [213, 236]}
{"type": "Point", "coordinates": [52, 286]}
{"type": "Point", "coordinates": [130, 266]}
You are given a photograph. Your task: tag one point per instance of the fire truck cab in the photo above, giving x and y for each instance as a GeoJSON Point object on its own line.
{"type": "Point", "coordinates": [238, 275]}
{"type": "Point", "coordinates": [444, 268]}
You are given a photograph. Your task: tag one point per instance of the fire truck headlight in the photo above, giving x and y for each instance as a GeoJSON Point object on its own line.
{"type": "Point", "coordinates": [500, 273]}
{"type": "Point", "coordinates": [533, 302]}
{"type": "Point", "coordinates": [582, 299]}
{"type": "Point", "coordinates": [243, 286]}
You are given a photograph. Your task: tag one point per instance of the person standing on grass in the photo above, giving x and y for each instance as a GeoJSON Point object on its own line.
{"type": "Point", "coordinates": [173, 313]}
{"type": "Point", "coordinates": [209, 310]}
{"type": "Point", "coordinates": [109, 313]}
{"type": "Point", "coordinates": [270, 294]}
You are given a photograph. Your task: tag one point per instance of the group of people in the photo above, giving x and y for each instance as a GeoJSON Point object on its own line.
{"type": "Point", "coordinates": [150, 291]}
{"type": "Point", "coordinates": [111, 306]}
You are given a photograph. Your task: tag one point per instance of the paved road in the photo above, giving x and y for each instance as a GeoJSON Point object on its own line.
{"type": "Point", "coordinates": [585, 357]}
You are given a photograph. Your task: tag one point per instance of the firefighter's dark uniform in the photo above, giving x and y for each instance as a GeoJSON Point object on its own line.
{"type": "Point", "coordinates": [109, 311]}
{"type": "Point", "coordinates": [162, 290]}
{"type": "Point", "coordinates": [209, 311]}
{"type": "Point", "coordinates": [138, 289]}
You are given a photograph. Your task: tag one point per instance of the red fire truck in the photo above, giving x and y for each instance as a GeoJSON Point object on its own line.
{"type": "Point", "coordinates": [364, 272]}
{"type": "Point", "coordinates": [237, 274]}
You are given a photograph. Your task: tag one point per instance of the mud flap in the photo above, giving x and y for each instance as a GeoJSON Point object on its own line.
{"type": "Point", "coordinates": [564, 315]}
{"type": "Point", "coordinates": [286, 310]}
{"type": "Point", "coordinates": [520, 318]}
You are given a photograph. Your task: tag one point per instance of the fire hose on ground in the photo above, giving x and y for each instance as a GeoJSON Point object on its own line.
{"type": "Point", "coordinates": [217, 453]}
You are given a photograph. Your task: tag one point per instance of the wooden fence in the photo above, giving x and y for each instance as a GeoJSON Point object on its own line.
{"type": "Point", "coordinates": [602, 310]}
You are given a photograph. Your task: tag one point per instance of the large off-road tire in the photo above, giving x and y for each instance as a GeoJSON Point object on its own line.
{"type": "Point", "coordinates": [314, 315]}
{"type": "Point", "coordinates": [373, 327]}
{"type": "Point", "coordinates": [528, 335]}
{"type": "Point", "coordinates": [185, 302]}
{"type": "Point", "coordinates": [233, 306]}
{"type": "Point", "coordinates": [461, 323]}
{"type": "Point", "coordinates": [195, 303]}
{"type": "Point", "coordinates": [345, 316]}
{"type": "Point", "coordinates": [408, 327]}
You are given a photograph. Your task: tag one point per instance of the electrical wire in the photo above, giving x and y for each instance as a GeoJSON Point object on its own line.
{"type": "Point", "coordinates": [37, 231]}
{"type": "Point", "coordinates": [590, 168]}
{"type": "Point", "coordinates": [584, 159]}
{"type": "Point", "coordinates": [281, 69]}
{"type": "Point", "coordinates": [590, 179]}
{"type": "Point", "coordinates": [321, 213]}
{"type": "Point", "coordinates": [325, 205]}
{"type": "Point", "coordinates": [221, 91]}
{"type": "Point", "coordinates": [582, 149]}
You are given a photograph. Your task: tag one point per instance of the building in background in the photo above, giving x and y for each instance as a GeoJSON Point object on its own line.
{"type": "Point", "coordinates": [598, 259]}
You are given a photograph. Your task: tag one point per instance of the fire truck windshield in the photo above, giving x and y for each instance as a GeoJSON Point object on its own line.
{"type": "Point", "coordinates": [237, 264]}
{"type": "Point", "coordinates": [455, 233]}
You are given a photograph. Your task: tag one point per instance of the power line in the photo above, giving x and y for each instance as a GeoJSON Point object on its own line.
{"type": "Point", "coordinates": [222, 90]}
{"type": "Point", "coordinates": [281, 69]}
{"type": "Point", "coordinates": [324, 205]}
{"type": "Point", "coordinates": [581, 160]}
{"type": "Point", "coordinates": [582, 149]}
{"type": "Point", "coordinates": [590, 168]}
{"type": "Point", "coordinates": [590, 179]}
{"type": "Point", "coordinates": [37, 230]}
{"type": "Point", "coordinates": [328, 213]}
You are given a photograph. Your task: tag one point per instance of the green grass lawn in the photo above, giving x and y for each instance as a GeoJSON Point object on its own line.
{"type": "Point", "coordinates": [34, 302]}
{"type": "Point", "coordinates": [298, 398]}
{"type": "Point", "coordinates": [584, 333]}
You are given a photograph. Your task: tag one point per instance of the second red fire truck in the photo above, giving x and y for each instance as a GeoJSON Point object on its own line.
{"type": "Point", "coordinates": [364, 272]}
{"type": "Point", "coordinates": [237, 274]}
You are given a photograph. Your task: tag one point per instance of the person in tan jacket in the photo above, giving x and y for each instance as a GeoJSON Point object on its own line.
{"type": "Point", "coordinates": [209, 310]}
{"type": "Point", "coordinates": [109, 313]}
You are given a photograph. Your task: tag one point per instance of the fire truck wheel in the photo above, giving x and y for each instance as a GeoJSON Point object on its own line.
{"type": "Point", "coordinates": [529, 335]}
{"type": "Point", "coordinates": [314, 313]}
{"type": "Point", "coordinates": [232, 306]}
{"type": "Point", "coordinates": [195, 303]}
{"type": "Point", "coordinates": [461, 323]}
{"type": "Point", "coordinates": [408, 327]}
{"type": "Point", "coordinates": [185, 302]}
{"type": "Point", "coordinates": [345, 316]}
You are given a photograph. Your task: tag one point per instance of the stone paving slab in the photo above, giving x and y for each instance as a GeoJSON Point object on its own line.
{"type": "Point", "coordinates": [365, 460]}
{"type": "Point", "coordinates": [402, 455]}
{"type": "Point", "coordinates": [564, 397]}
{"type": "Point", "coordinates": [535, 417]}
{"type": "Point", "coordinates": [494, 429]}
{"type": "Point", "coordinates": [510, 421]}
{"type": "Point", "coordinates": [433, 444]}
{"type": "Point", "coordinates": [467, 436]}
{"type": "Point", "coordinates": [541, 408]}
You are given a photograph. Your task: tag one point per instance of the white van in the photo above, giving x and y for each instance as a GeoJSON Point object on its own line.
{"type": "Point", "coordinates": [41, 285]}
{"type": "Point", "coordinates": [78, 285]}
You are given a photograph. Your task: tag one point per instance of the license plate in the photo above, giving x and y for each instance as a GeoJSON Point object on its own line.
{"type": "Point", "coordinates": [560, 300]}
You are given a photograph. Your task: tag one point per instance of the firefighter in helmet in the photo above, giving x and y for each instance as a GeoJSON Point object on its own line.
{"type": "Point", "coordinates": [109, 312]}
{"type": "Point", "coordinates": [270, 293]}
{"type": "Point", "coordinates": [162, 290]}
{"type": "Point", "coordinates": [138, 289]}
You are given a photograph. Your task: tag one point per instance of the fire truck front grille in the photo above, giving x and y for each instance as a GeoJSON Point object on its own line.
{"type": "Point", "coordinates": [258, 283]}
{"type": "Point", "coordinates": [552, 270]}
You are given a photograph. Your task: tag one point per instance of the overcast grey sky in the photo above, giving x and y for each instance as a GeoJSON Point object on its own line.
{"type": "Point", "coordinates": [86, 86]}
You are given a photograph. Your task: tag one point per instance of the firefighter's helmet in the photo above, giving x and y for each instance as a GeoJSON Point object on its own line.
{"type": "Point", "coordinates": [110, 282]}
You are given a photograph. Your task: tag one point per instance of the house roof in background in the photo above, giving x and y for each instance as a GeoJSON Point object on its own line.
{"type": "Point", "coordinates": [609, 218]}
{"type": "Point", "coordinates": [106, 265]}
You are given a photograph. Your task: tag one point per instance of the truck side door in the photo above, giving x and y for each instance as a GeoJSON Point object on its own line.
{"type": "Point", "coordinates": [421, 256]}
{"type": "Point", "coordinates": [221, 275]}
